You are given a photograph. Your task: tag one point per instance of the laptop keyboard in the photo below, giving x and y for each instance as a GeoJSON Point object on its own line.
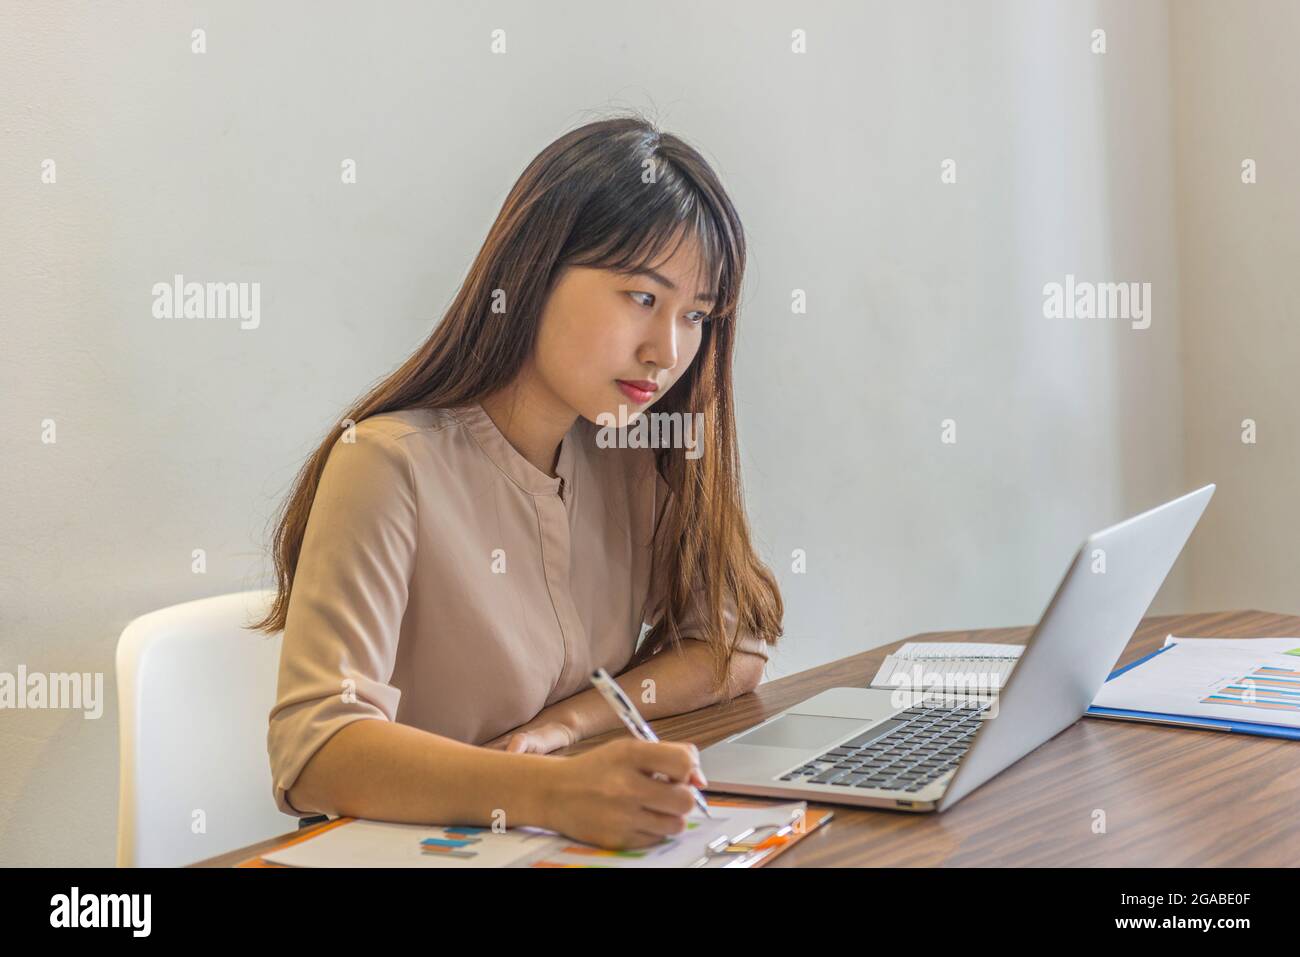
{"type": "Point", "coordinates": [904, 753]}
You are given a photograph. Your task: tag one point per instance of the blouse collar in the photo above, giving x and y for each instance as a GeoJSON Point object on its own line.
{"type": "Point", "coordinates": [507, 458]}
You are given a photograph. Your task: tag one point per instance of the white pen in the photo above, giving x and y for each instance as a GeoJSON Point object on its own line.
{"type": "Point", "coordinates": [628, 714]}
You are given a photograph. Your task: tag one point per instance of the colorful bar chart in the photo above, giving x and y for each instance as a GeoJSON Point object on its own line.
{"type": "Point", "coordinates": [453, 842]}
{"type": "Point", "coordinates": [1268, 688]}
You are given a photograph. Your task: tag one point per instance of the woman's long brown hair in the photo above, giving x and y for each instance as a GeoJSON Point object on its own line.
{"type": "Point", "coordinates": [610, 194]}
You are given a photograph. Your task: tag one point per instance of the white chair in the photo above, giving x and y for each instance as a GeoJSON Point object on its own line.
{"type": "Point", "coordinates": [195, 689]}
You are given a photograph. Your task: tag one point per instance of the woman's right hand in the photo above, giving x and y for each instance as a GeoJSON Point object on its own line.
{"type": "Point", "coordinates": [607, 797]}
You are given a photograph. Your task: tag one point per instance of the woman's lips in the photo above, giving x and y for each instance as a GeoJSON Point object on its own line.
{"type": "Point", "coordinates": [633, 393]}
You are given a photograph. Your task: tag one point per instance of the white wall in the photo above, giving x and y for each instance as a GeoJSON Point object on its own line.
{"type": "Point", "coordinates": [926, 304]}
{"type": "Point", "coordinates": [1238, 83]}
{"type": "Point", "coordinates": [925, 300]}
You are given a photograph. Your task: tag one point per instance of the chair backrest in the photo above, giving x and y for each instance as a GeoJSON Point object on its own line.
{"type": "Point", "coordinates": [195, 689]}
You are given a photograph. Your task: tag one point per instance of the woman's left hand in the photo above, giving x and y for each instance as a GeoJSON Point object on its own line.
{"type": "Point", "coordinates": [540, 738]}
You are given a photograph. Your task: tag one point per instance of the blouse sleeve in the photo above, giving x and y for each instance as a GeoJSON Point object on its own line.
{"type": "Point", "coordinates": [346, 606]}
{"type": "Point", "coordinates": [691, 625]}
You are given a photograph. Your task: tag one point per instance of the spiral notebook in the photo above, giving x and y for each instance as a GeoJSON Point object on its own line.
{"type": "Point", "coordinates": [959, 667]}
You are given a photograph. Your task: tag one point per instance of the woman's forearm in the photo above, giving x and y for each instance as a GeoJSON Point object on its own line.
{"type": "Point", "coordinates": [382, 770]}
{"type": "Point", "coordinates": [679, 680]}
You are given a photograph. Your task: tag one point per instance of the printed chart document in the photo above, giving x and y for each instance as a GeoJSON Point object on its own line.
{"type": "Point", "coordinates": [1256, 681]}
{"type": "Point", "coordinates": [363, 843]}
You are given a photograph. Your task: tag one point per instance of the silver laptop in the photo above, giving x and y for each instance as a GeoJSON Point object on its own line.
{"type": "Point", "coordinates": [922, 750]}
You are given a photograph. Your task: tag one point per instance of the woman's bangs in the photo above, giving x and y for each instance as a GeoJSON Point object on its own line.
{"type": "Point", "coordinates": [644, 238]}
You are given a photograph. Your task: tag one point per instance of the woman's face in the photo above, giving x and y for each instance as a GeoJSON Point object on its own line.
{"type": "Point", "coordinates": [599, 327]}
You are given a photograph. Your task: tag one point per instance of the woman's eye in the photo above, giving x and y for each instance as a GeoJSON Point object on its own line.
{"type": "Point", "coordinates": [697, 317]}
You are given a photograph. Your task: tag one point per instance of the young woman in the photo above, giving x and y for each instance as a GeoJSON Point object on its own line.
{"type": "Point", "coordinates": [467, 547]}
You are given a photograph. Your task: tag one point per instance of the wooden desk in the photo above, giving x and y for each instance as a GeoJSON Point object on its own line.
{"type": "Point", "coordinates": [1172, 797]}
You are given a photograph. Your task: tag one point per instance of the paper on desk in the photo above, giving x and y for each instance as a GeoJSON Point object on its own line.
{"type": "Point", "coordinates": [1286, 646]}
{"type": "Point", "coordinates": [957, 649]}
{"type": "Point", "coordinates": [363, 843]}
{"type": "Point", "coordinates": [1233, 680]}
{"type": "Point", "coordinates": [948, 667]}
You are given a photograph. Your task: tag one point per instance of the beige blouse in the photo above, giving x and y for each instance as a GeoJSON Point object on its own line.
{"type": "Point", "coordinates": [447, 583]}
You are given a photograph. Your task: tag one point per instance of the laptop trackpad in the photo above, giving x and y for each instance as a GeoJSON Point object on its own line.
{"type": "Point", "coordinates": [801, 731]}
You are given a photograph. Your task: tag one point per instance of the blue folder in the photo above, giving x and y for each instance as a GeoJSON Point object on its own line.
{"type": "Point", "coordinates": [1189, 721]}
